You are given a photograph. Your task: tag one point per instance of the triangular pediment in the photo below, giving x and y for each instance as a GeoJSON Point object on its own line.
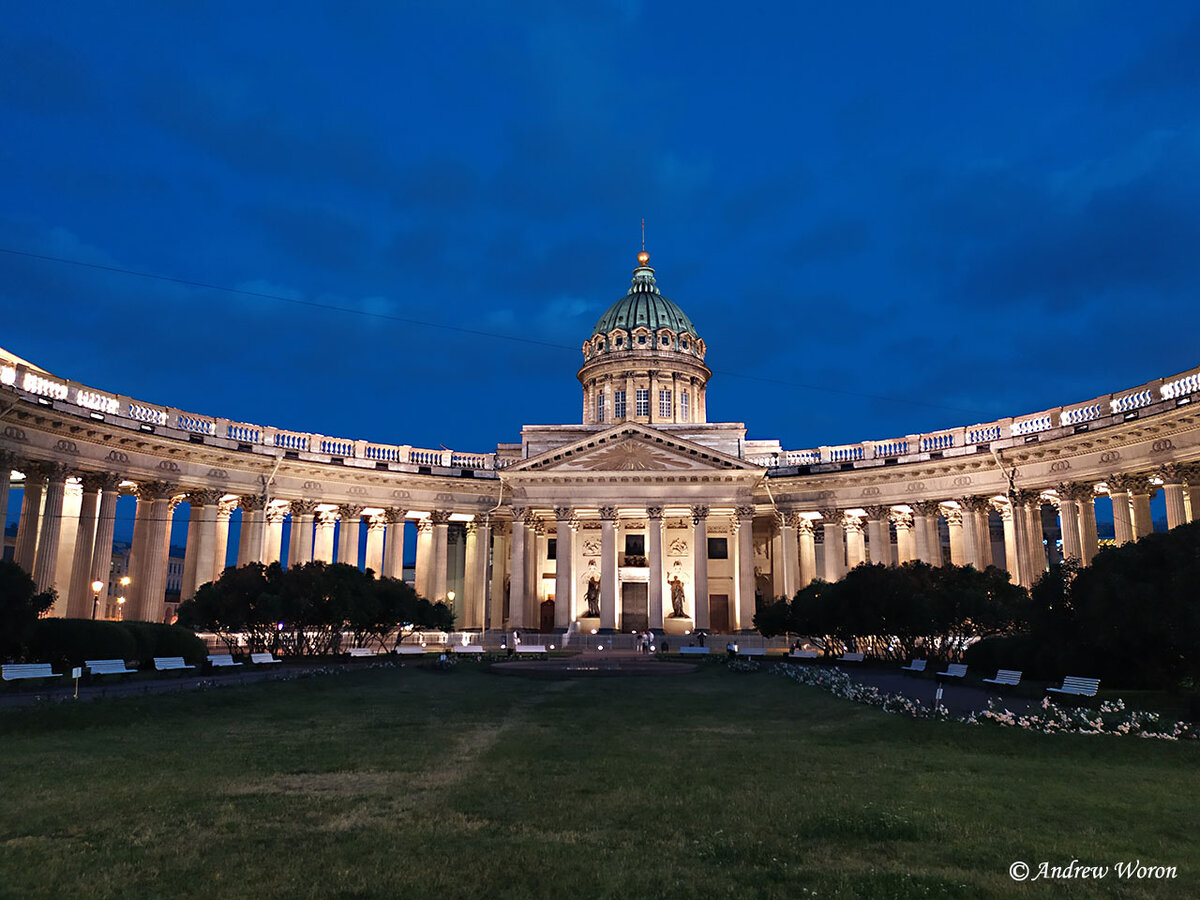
{"type": "Point", "coordinates": [630, 447]}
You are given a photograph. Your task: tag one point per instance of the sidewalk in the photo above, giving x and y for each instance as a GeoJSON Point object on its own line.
{"type": "Point", "coordinates": [959, 698]}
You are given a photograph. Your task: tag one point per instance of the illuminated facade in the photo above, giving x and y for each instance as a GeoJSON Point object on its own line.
{"type": "Point", "coordinates": [645, 514]}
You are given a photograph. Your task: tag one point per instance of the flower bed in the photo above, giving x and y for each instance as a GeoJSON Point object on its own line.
{"type": "Point", "coordinates": [1111, 718]}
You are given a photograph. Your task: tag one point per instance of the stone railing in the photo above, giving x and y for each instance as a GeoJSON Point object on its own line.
{"type": "Point", "coordinates": [1091, 414]}
{"type": "Point", "coordinates": [1098, 412]}
{"type": "Point", "coordinates": [104, 406]}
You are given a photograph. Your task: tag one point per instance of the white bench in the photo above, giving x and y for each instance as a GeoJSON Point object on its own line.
{"type": "Point", "coordinates": [753, 651]}
{"type": "Point", "coordinates": [468, 648]}
{"type": "Point", "coordinates": [263, 659]}
{"type": "Point", "coordinates": [222, 660]}
{"type": "Point", "coordinates": [107, 667]}
{"type": "Point", "coordinates": [697, 651]}
{"type": "Point", "coordinates": [804, 654]}
{"type": "Point", "coordinates": [1080, 687]}
{"type": "Point", "coordinates": [850, 657]}
{"type": "Point", "coordinates": [361, 652]}
{"type": "Point", "coordinates": [954, 670]}
{"type": "Point", "coordinates": [531, 648]}
{"type": "Point", "coordinates": [170, 664]}
{"type": "Point", "coordinates": [19, 671]}
{"type": "Point", "coordinates": [916, 665]}
{"type": "Point", "coordinates": [410, 650]}
{"type": "Point", "coordinates": [1005, 676]}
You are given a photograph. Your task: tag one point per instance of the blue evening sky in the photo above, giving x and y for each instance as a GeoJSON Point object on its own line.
{"type": "Point", "coordinates": [883, 218]}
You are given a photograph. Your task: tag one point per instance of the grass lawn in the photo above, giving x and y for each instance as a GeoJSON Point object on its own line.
{"type": "Point", "coordinates": [408, 783]}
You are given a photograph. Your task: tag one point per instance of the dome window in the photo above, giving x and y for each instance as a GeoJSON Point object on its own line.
{"type": "Point", "coordinates": [683, 343]}
{"type": "Point", "coordinates": [641, 339]}
{"type": "Point", "coordinates": [619, 340]}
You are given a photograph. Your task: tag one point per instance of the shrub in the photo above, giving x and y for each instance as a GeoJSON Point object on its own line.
{"type": "Point", "coordinates": [153, 639]}
{"type": "Point", "coordinates": [68, 642]}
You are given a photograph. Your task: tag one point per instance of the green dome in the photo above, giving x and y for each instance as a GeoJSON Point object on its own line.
{"type": "Point", "coordinates": [645, 306]}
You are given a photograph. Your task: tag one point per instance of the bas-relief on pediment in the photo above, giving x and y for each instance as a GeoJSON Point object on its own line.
{"type": "Point", "coordinates": [630, 455]}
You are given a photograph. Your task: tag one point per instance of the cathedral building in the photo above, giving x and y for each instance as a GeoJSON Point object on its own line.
{"type": "Point", "coordinates": [642, 515]}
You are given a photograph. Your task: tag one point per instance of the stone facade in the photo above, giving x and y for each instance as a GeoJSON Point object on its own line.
{"type": "Point", "coordinates": [663, 520]}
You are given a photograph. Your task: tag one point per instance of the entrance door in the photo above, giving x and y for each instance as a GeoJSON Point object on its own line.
{"type": "Point", "coordinates": [635, 607]}
{"type": "Point", "coordinates": [718, 613]}
{"type": "Point", "coordinates": [547, 617]}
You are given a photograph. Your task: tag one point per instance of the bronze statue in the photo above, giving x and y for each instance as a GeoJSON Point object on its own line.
{"type": "Point", "coordinates": [593, 599]}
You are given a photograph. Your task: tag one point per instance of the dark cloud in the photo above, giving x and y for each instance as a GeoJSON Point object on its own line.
{"type": "Point", "coordinates": [831, 240]}
{"type": "Point", "coordinates": [312, 235]}
{"type": "Point", "coordinates": [1169, 66]}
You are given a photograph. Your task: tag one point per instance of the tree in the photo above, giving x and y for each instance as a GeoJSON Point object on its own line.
{"type": "Point", "coordinates": [20, 606]}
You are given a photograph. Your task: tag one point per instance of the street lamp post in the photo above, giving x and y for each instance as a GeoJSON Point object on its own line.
{"type": "Point", "coordinates": [97, 586]}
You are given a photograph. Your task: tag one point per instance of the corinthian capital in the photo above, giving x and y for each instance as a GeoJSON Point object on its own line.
{"type": "Point", "coordinates": [926, 507]}
{"type": "Point", "coordinates": [252, 502]}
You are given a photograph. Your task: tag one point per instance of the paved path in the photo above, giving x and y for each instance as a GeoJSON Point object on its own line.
{"type": "Point", "coordinates": [113, 687]}
{"type": "Point", "coordinates": [959, 698]}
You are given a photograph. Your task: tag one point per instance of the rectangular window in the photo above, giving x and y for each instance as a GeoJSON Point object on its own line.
{"type": "Point", "coordinates": [551, 548]}
{"type": "Point", "coordinates": [664, 404]}
{"type": "Point", "coordinates": [635, 544]}
{"type": "Point", "coordinates": [618, 404]}
{"type": "Point", "coordinates": [684, 412]}
{"type": "Point", "coordinates": [600, 407]}
{"type": "Point", "coordinates": [642, 396]}
{"type": "Point", "coordinates": [718, 548]}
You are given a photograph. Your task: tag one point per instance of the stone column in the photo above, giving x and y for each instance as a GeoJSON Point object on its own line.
{"type": "Point", "coordinates": [250, 539]}
{"type": "Point", "coordinates": [1089, 545]}
{"type": "Point", "coordinates": [879, 539]}
{"type": "Point", "coordinates": [474, 575]}
{"type": "Point", "coordinates": [608, 567]}
{"type": "Point", "coordinates": [835, 566]}
{"type": "Point", "coordinates": [1174, 477]}
{"type": "Point", "coordinates": [983, 529]}
{"type": "Point", "coordinates": [46, 560]}
{"type": "Point", "coordinates": [657, 574]}
{"type": "Point", "coordinates": [1141, 491]}
{"type": "Point", "coordinates": [1011, 558]}
{"type": "Point", "coordinates": [856, 548]}
{"type": "Point", "coordinates": [1069, 495]}
{"type": "Point", "coordinates": [790, 553]}
{"type": "Point", "coordinates": [102, 544]}
{"type": "Point", "coordinates": [534, 558]}
{"type": "Point", "coordinates": [225, 508]}
{"type": "Point", "coordinates": [564, 578]}
{"type": "Point", "coordinates": [8, 462]}
{"type": "Point", "coordinates": [906, 549]}
{"type": "Point", "coordinates": [1037, 537]}
{"type": "Point", "coordinates": [326, 520]}
{"type": "Point", "coordinates": [920, 530]}
{"type": "Point", "coordinates": [441, 524]}
{"type": "Point", "coordinates": [31, 511]}
{"type": "Point", "coordinates": [501, 560]}
{"type": "Point", "coordinates": [954, 524]}
{"type": "Point", "coordinates": [808, 551]}
{"type": "Point", "coordinates": [424, 563]}
{"type": "Point", "coordinates": [79, 593]}
{"type": "Point", "coordinates": [351, 516]}
{"type": "Point", "coordinates": [700, 615]}
{"type": "Point", "coordinates": [1118, 490]}
{"type": "Point", "coordinates": [745, 568]}
{"type": "Point", "coordinates": [273, 533]}
{"type": "Point", "coordinates": [376, 530]}
{"type": "Point", "coordinates": [150, 557]}
{"type": "Point", "coordinates": [516, 581]}
{"type": "Point", "coordinates": [301, 544]}
{"type": "Point", "coordinates": [199, 560]}
{"type": "Point", "coordinates": [393, 560]}
{"type": "Point", "coordinates": [973, 538]}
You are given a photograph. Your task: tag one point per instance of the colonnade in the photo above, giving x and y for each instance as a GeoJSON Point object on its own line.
{"type": "Point", "coordinates": [918, 533]}
{"type": "Point", "coordinates": [66, 542]}
{"type": "Point", "coordinates": [587, 537]}
{"type": "Point", "coordinates": [44, 528]}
